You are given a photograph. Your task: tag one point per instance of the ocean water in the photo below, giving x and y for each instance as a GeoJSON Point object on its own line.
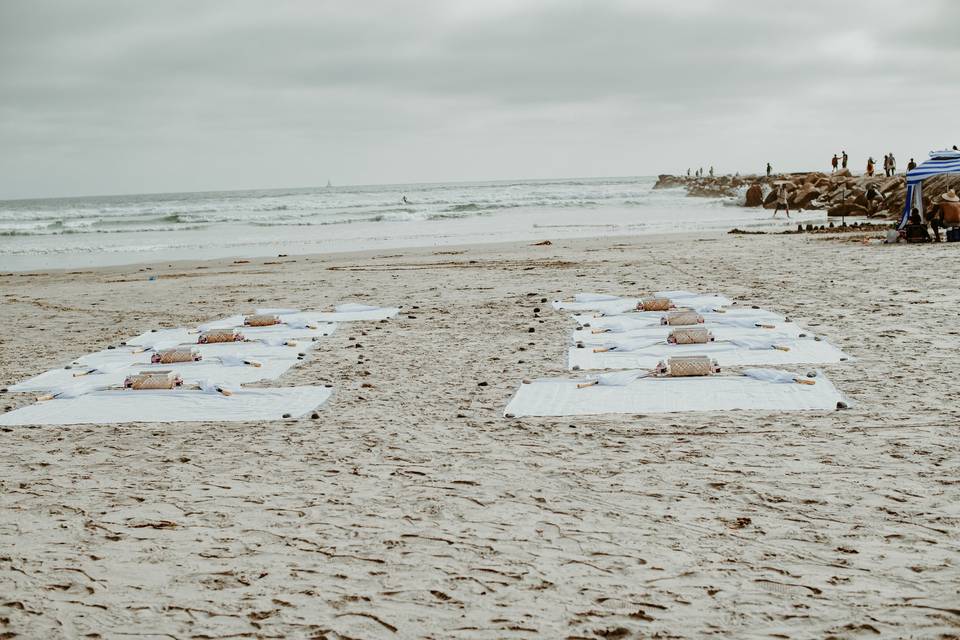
{"type": "Point", "coordinates": [114, 230]}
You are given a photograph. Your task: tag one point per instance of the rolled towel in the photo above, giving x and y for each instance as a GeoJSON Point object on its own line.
{"type": "Point", "coordinates": [688, 366]}
{"type": "Point", "coordinates": [170, 356]}
{"type": "Point", "coordinates": [153, 380]}
{"type": "Point", "coordinates": [220, 335]}
{"type": "Point", "coordinates": [690, 335]}
{"type": "Point", "coordinates": [261, 320]}
{"type": "Point", "coordinates": [682, 318]}
{"type": "Point", "coordinates": [655, 304]}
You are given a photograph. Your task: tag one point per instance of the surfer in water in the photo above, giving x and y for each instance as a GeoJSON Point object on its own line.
{"type": "Point", "coordinates": [405, 201]}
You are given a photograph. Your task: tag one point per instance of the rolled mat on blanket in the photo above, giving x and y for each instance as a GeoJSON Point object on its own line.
{"type": "Point", "coordinates": [682, 318]}
{"type": "Point", "coordinates": [261, 320]}
{"type": "Point", "coordinates": [690, 335]}
{"type": "Point", "coordinates": [678, 367]}
{"type": "Point", "coordinates": [220, 335]}
{"type": "Point", "coordinates": [655, 304]}
{"type": "Point", "coordinates": [153, 380]}
{"type": "Point", "coordinates": [775, 351]}
{"type": "Point", "coordinates": [170, 356]}
{"type": "Point", "coordinates": [687, 366]}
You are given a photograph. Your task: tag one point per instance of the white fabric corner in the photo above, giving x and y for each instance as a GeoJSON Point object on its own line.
{"type": "Point", "coordinates": [801, 351]}
{"type": "Point", "coordinates": [555, 397]}
{"type": "Point", "coordinates": [110, 407]}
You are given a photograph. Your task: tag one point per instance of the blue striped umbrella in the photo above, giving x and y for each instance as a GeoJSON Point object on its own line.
{"type": "Point", "coordinates": [940, 163]}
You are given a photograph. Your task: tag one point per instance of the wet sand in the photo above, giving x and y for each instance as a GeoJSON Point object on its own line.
{"type": "Point", "coordinates": [412, 508]}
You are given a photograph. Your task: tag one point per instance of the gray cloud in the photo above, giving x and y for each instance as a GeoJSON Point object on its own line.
{"type": "Point", "coordinates": [117, 97]}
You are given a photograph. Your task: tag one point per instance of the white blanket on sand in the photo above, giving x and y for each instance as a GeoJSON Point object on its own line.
{"type": "Point", "coordinates": [802, 351]}
{"type": "Point", "coordinates": [222, 366]}
{"type": "Point", "coordinates": [297, 318]}
{"type": "Point", "coordinates": [640, 319]}
{"type": "Point", "coordinates": [255, 350]}
{"type": "Point", "coordinates": [611, 305]}
{"type": "Point", "coordinates": [272, 335]}
{"type": "Point", "coordinates": [556, 397]}
{"type": "Point", "coordinates": [787, 330]}
{"type": "Point", "coordinates": [108, 407]}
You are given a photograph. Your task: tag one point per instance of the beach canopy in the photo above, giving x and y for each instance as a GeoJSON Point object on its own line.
{"type": "Point", "coordinates": [940, 163]}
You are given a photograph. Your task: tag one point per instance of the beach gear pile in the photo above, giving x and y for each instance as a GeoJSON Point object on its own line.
{"type": "Point", "coordinates": [682, 351]}
{"type": "Point", "coordinates": [192, 374]}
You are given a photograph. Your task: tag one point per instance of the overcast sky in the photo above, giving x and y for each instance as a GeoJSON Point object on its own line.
{"type": "Point", "coordinates": [124, 97]}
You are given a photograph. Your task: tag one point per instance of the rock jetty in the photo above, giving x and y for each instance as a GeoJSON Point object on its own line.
{"type": "Point", "coordinates": [839, 193]}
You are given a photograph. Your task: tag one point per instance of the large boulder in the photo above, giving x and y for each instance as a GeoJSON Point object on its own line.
{"type": "Point", "coordinates": [801, 198]}
{"type": "Point", "coordinates": [666, 181]}
{"type": "Point", "coordinates": [891, 184]}
{"type": "Point", "coordinates": [754, 196]}
{"type": "Point", "coordinates": [842, 173]}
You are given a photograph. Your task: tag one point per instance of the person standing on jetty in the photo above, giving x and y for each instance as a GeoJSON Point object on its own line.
{"type": "Point", "coordinates": [833, 163]}
{"type": "Point", "coordinates": [911, 165]}
{"type": "Point", "coordinates": [769, 169]}
{"type": "Point", "coordinates": [893, 166]}
{"type": "Point", "coordinates": [886, 165]}
{"type": "Point", "coordinates": [843, 159]}
{"type": "Point", "coordinates": [711, 171]}
{"type": "Point", "coordinates": [870, 164]}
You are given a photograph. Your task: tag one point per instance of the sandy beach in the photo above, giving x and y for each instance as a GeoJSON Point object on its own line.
{"type": "Point", "coordinates": [411, 508]}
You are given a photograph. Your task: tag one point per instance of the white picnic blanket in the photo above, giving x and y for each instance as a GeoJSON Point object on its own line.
{"type": "Point", "coordinates": [611, 305]}
{"type": "Point", "coordinates": [296, 318]}
{"type": "Point", "coordinates": [802, 351]}
{"type": "Point", "coordinates": [225, 368]}
{"type": "Point", "coordinates": [109, 407]}
{"type": "Point", "coordinates": [640, 319]}
{"type": "Point", "coordinates": [788, 330]}
{"type": "Point", "coordinates": [557, 397]}
{"type": "Point", "coordinates": [274, 335]}
{"type": "Point", "coordinates": [256, 350]}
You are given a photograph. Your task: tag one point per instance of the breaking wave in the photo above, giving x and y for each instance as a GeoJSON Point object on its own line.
{"type": "Point", "coordinates": [319, 206]}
